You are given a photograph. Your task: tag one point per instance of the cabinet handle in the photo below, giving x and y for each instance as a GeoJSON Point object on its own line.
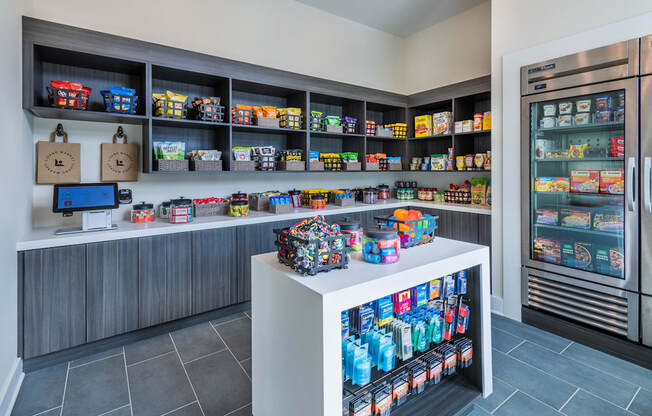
{"type": "Point", "coordinates": [647, 172]}
{"type": "Point", "coordinates": [631, 171]}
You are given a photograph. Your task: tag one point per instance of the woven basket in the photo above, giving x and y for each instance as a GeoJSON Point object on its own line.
{"type": "Point", "coordinates": [209, 165]}
{"type": "Point", "coordinates": [171, 165]}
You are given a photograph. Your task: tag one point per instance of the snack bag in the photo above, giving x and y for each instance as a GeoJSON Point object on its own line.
{"type": "Point", "coordinates": [478, 191]}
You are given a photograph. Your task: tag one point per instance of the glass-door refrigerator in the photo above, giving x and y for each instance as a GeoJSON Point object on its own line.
{"type": "Point", "coordinates": [579, 188]}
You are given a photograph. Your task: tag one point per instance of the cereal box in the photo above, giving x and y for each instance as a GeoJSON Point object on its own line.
{"type": "Point", "coordinates": [423, 126]}
{"type": "Point", "coordinates": [612, 182]}
{"type": "Point", "coordinates": [585, 181]}
{"type": "Point", "coordinates": [441, 123]}
{"type": "Point", "coordinates": [551, 184]}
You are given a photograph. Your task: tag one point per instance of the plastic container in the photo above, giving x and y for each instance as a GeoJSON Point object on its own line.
{"type": "Point", "coordinates": [369, 196]}
{"type": "Point", "coordinates": [549, 110]}
{"type": "Point", "coordinates": [317, 202]}
{"type": "Point", "coordinates": [381, 245]}
{"type": "Point", "coordinates": [582, 119]}
{"type": "Point", "coordinates": [239, 196]}
{"type": "Point", "coordinates": [180, 210]}
{"type": "Point", "coordinates": [383, 192]}
{"type": "Point", "coordinates": [565, 120]}
{"type": "Point", "coordinates": [295, 197]}
{"type": "Point", "coordinates": [164, 210]}
{"type": "Point", "coordinates": [548, 122]}
{"type": "Point", "coordinates": [354, 231]}
{"type": "Point", "coordinates": [142, 212]}
{"type": "Point", "coordinates": [239, 209]}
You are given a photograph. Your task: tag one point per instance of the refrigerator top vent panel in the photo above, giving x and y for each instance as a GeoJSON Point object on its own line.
{"type": "Point", "coordinates": [607, 63]}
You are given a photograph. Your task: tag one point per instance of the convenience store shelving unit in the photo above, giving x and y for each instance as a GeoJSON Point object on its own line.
{"type": "Point", "coordinates": [52, 51]}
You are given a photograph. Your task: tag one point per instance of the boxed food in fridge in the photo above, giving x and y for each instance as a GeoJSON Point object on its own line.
{"type": "Point", "coordinates": [612, 182]}
{"type": "Point", "coordinates": [546, 249]}
{"type": "Point", "coordinates": [551, 184]}
{"type": "Point", "coordinates": [603, 116]}
{"type": "Point", "coordinates": [441, 123]}
{"type": "Point", "coordinates": [566, 107]}
{"type": "Point", "coordinates": [603, 103]}
{"type": "Point", "coordinates": [613, 222]}
{"type": "Point", "coordinates": [574, 218]}
{"type": "Point", "coordinates": [549, 110]}
{"type": "Point", "coordinates": [423, 126]}
{"type": "Point", "coordinates": [548, 122]}
{"type": "Point", "coordinates": [577, 151]}
{"type": "Point", "coordinates": [547, 216]}
{"type": "Point", "coordinates": [619, 114]}
{"type": "Point", "coordinates": [583, 106]}
{"type": "Point", "coordinates": [582, 118]}
{"type": "Point", "coordinates": [565, 120]}
{"type": "Point", "coordinates": [578, 254]}
{"type": "Point", "coordinates": [610, 261]}
{"type": "Point", "coordinates": [585, 181]}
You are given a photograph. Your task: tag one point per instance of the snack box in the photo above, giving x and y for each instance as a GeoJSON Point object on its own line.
{"type": "Point", "coordinates": [608, 222]}
{"type": "Point", "coordinates": [547, 249]}
{"type": "Point", "coordinates": [585, 181]}
{"type": "Point", "coordinates": [612, 182]}
{"type": "Point", "coordinates": [573, 218]}
{"type": "Point", "coordinates": [551, 184]}
{"type": "Point", "coordinates": [423, 126]}
{"type": "Point", "coordinates": [566, 107]}
{"type": "Point", "coordinates": [547, 216]}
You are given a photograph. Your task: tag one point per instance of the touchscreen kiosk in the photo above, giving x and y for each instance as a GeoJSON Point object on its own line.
{"type": "Point", "coordinates": [94, 200]}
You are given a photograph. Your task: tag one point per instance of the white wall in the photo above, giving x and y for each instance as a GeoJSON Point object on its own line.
{"type": "Point", "coordinates": [455, 50]}
{"type": "Point", "coordinates": [525, 33]}
{"type": "Point", "coordinates": [281, 34]}
{"type": "Point", "coordinates": [16, 184]}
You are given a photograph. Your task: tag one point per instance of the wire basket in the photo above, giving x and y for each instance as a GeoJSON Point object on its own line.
{"type": "Point", "coordinates": [370, 129]}
{"type": "Point", "coordinates": [120, 103]}
{"type": "Point", "coordinates": [170, 109]}
{"type": "Point", "coordinates": [317, 123]}
{"type": "Point", "coordinates": [291, 121]}
{"type": "Point", "coordinates": [398, 129]}
{"type": "Point", "coordinates": [311, 256]}
{"type": "Point", "coordinates": [412, 232]}
{"type": "Point", "coordinates": [242, 116]}
{"type": "Point", "coordinates": [332, 163]}
{"type": "Point", "coordinates": [349, 125]}
{"type": "Point", "coordinates": [207, 112]}
{"type": "Point", "coordinates": [265, 162]}
{"type": "Point", "coordinates": [67, 98]}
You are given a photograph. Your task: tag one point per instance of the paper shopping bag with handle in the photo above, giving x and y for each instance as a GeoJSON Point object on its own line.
{"type": "Point", "coordinates": [119, 160]}
{"type": "Point", "coordinates": [57, 162]}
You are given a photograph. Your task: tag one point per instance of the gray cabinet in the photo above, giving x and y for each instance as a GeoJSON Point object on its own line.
{"type": "Point", "coordinates": [54, 290]}
{"type": "Point", "coordinates": [214, 269]}
{"type": "Point", "coordinates": [164, 271]}
{"type": "Point", "coordinates": [112, 288]}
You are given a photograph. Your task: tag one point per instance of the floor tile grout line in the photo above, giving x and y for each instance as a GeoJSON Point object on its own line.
{"type": "Point", "coordinates": [179, 408]}
{"type": "Point", "coordinates": [589, 365]}
{"type": "Point", "coordinates": [504, 401]}
{"type": "Point", "coordinates": [565, 348]}
{"type": "Point", "coordinates": [203, 356]}
{"type": "Point", "coordinates": [65, 385]}
{"type": "Point", "coordinates": [558, 378]}
{"type": "Point", "coordinates": [569, 399]}
{"type": "Point", "coordinates": [633, 397]}
{"type": "Point", "coordinates": [227, 322]}
{"type": "Point", "coordinates": [147, 359]}
{"type": "Point", "coordinates": [187, 376]}
{"type": "Point", "coordinates": [94, 361]}
{"type": "Point", "coordinates": [529, 395]}
{"type": "Point", "coordinates": [239, 408]}
{"type": "Point", "coordinates": [232, 354]}
{"type": "Point", "coordinates": [248, 316]}
{"type": "Point", "coordinates": [124, 360]}
{"type": "Point", "coordinates": [45, 411]}
{"type": "Point", "coordinates": [520, 343]}
{"type": "Point", "coordinates": [113, 410]}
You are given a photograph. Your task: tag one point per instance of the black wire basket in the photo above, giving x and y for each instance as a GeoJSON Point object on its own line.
{"type": "Point", "coordinates": [311, 256]}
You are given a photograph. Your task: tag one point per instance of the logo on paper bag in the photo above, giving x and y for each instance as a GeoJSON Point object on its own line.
{"type": "Point", "coordinates": [60, 162]}
{"type": "Point", "coordinates": [121, 162]}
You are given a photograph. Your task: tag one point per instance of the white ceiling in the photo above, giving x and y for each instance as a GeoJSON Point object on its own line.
{"type": "Point", "coordinates": [399, 17]}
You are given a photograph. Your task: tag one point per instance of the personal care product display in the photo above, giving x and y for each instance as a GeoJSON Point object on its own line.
{"type": "Point", "coordinates": [414, 227]}
{"type": "Point", "coordinates": [312, 246]}
{"type": "Point", "coordinates": [408, 341]}
{"type": "Point", "coordinates": [480, 122]}
{"type": "Point", "coordinates": [68, 95]}
{"type": "Point", "coordinates": [120, 100]}
{"type": "Point", "coordinates": [142, 212]}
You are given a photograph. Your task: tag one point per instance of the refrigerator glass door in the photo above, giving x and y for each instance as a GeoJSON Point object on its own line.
{"type": "Point", "coordinates": [646, 186]}
{"type": "Point", "coordinates": [581, 164]}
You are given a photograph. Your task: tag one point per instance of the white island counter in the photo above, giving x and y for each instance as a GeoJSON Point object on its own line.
{"type": "Point", "coordinates": [296, 332]}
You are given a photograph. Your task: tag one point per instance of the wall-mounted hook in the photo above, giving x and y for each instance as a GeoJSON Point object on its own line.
{"type": "Point", "coordinates": [120, 132]}
{"type": "Point", "coordinates": [59, 131]}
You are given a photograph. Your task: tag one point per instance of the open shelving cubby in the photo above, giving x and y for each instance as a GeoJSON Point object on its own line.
{"type": "Point", "coordinates": [463, 109]}
{"type": "Point", "coordinates": [385, 114]}
{"type": "Point", "coordinates": [426, 146]}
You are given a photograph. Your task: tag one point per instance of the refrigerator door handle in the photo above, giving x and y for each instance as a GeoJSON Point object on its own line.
{"type": "Point", "coordinates": [631, 171]}
{"type": "Point", "coordinates": [647, 173]}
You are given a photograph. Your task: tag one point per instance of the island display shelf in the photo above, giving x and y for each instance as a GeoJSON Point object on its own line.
{"type": "Point", "coordinates": [44, 237]}
{"type": "Point", "coordinates": [307, 310]}
{"type": "Point", "coordinates": [53, 51]}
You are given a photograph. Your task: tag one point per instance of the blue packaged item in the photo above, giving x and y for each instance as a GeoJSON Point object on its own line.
{"type": "Point", "coordinates": [120, 100]}
{"type": "Point", "coordinates": [419, 295]}
{"type": "Point", "coordinates": [386, 353]}
{"type": "Point", "coordinates": [313, 156]}
{"type": "Point", "coordinates": [434, 289]}
{"type": "Point", "coordinates": [448, 286]}
{"type": "Point", "coordinates": [384, 311]}
{"type": "Point", "coordinates": [362, 371]}
{"type": "Point", "coordinates": [345, 324]}
{"type": "Point", "coordinates": [350, 351]}
{"type": "Point", "coordinates": [461, 282]}
{"type": "Point", "coordinates": [366, 317]}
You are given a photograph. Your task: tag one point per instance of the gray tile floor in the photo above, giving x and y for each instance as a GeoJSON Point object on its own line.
{"type": "Point", "coordinates": [205, 370]}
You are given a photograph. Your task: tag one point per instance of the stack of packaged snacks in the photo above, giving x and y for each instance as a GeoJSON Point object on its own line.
{"type": "Point", "coordinates": [170, 105]}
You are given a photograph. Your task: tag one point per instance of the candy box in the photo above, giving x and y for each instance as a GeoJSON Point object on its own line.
{"type": "Point", "coordinates": [573, 218]}
{"type": "Point", "coordinates": [612, 182]}
{"type": "Point", "coordinates": [546, 249]}
{"type": "Point", "coordinates": [585, 181]}
{"type": "Point", "coordinates": [551, 184]}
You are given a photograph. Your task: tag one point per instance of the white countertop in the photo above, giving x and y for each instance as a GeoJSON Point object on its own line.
{"type": "Point", "coordinates": [45, 237]}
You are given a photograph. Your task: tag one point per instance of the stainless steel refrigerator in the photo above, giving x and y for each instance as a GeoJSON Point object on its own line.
{"type": "Point", "coordinates": [580, 186]}
{"type": "Point", "coordinates": [646, 189]}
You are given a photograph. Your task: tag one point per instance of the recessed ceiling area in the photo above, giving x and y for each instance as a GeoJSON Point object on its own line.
{"type": "Point", "coordinates": [398, 17]}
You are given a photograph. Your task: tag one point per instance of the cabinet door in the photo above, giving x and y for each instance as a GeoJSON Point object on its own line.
{"type": "Point", "coordinates": [54, 299]}
{"type": "Point", "coordinates": [164, 278]}
{"type": "Point", "coordinates": [484, 230]}
{"type": "Point", "coordinates": [214, 271]}
{"type": "Point", "coordinates": [461, 226]}
{"type": "Point", "coordinates": [112, 288]}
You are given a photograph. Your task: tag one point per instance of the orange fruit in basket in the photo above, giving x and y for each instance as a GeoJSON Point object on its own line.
{"type": "Point", "coordinates": [401, 214]}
